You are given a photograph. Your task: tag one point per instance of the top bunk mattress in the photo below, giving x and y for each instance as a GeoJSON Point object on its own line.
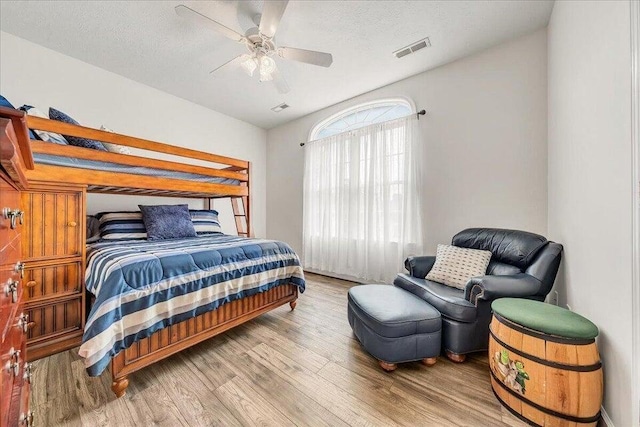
{"type": "Point", "coordinates": [53, 160]}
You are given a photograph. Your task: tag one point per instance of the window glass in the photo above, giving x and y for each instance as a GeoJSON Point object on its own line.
{"type": "Point", "coordinates": [361, 116]}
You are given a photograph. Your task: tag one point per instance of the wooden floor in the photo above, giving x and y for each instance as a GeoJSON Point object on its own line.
{"type": "Point", "coordinates": [301, 367]}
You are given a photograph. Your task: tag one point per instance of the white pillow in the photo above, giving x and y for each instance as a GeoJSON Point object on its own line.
{"type": "Point", "coordinates": [115, 148]}
{"type": "Point", "coordinates": [454, 266]}
{"type": "Point", "coordinates": [56, 138]}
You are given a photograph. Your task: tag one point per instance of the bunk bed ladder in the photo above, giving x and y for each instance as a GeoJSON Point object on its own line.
{"type": "Point", "coordinates": [241, 215]}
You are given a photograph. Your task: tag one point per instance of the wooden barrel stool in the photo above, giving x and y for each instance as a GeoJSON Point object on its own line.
{"type": "Point", "coordinates": [545, 366]}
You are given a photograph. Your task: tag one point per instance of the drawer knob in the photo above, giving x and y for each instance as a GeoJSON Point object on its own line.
{"type": "Point", "coordinates": [31, 283]}
{"type": "Point", "coordinates": [11, 288]}
{"type": "Point", "coordinates": [27, 372]}
{"type": "Point", "coordinates": [27, 419]}
{"type": "Point", "coordinates": [72, 223]}
{"type": "Point", "coordinates": [13, 365]}
{"type": "Point", "coordinates": [13, 215]}
{"type": "Point", "coordinates": [24, 324]}
{"type": "Point", "coordinates": [19, 268]}
{"type": "Point", "coordinates": [14, 368]}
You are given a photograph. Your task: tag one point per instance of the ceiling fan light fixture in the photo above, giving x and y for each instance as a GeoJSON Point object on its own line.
{"type": "Point", "coordinates": [249, 65]}
{"type": "Point", "coordinates": [267, 65]}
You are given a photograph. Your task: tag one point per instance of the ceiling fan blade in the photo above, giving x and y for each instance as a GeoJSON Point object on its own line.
{"type": "Point", "coordinates": [200, 19]}
{"type": "Point", "coordinates": [309, 56]}
{"type": "Point", "coordinates": [279, 82]}
{"type": "Point", "coordinates": [272, 12]}
{"type": "Point", "coordinates": [228, 66]}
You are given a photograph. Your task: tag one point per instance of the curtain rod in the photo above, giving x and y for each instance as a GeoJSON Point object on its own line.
{"type": "Point", "coordinates": [418, 114]}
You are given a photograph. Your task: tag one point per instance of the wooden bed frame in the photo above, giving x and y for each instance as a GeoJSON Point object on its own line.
{"type": "Point", "coordinates": [175, 338]}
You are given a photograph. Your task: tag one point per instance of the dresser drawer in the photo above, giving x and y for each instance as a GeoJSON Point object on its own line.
{"type": "Point", "coordinates": [10, 283]}
{"type": "Point", "coordinates": [47, 281]}
{"type": "Point", "coordinates": [26, 416]}
{"type": "Point", "coordinates": [10, 199]}
{"type": "Point", "coordinates": [12, 362]}
{"type": "Point", "coordinates": [53, 227]}
{"type": "Point", "coordinates": [53, 319]}
{"type": "Point", "coordinates": [6, 384]}
{"type": "Point", "coordinates": [19, 398]}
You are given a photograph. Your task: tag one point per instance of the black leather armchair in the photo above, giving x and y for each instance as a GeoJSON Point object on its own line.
{"type": "Point", "coordinates": [523, 265]}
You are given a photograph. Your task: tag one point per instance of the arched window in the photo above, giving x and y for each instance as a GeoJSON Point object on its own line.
{"type": "Point", "coordinates": [362, 115]}
{"type": "Point", "coordinates": [362, 207]}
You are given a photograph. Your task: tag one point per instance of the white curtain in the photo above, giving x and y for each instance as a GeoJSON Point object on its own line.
{"type": "Point", "coordinates": [362, 204]}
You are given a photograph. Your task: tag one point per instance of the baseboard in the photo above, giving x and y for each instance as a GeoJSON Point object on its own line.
{"type": "Point", "coordinates": [335, 276]}
{"type": "Point", "coordinates": [605, 420]}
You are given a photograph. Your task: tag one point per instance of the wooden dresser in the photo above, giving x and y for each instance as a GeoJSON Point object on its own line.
{"type": "Point", "coordinates": [15, 374]}
{"type": "Point", "coordinates": [53, 250]}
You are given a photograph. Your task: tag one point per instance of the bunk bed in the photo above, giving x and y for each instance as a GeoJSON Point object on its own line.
{"type": "Point", "coordinates": [112, 173]}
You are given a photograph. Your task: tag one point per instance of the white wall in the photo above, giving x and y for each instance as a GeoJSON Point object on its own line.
{"type": "Point", "coordinates": [485, 137]}
{"type": "Point", "coordinates": [590, 183]}
{"type": "Point", "coordinates": [32, 74]}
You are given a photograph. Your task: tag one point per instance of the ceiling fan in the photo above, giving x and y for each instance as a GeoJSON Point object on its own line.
{"type": "Point", "coordinates": [261, 44]}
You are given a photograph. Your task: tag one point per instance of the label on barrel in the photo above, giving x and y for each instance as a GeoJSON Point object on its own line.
{"type": "Point", "coordinates": [510, 372]}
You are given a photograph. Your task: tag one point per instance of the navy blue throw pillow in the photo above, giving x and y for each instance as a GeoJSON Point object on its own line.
{"type": "Point", "coordinates": [4, 102]}
{"type": "Point", "coordinates": [74, 140]}
{"type": "Point", "coordinates": [167, 221]}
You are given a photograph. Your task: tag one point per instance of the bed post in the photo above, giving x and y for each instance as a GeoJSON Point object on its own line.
{"type": "Point", "coordinates": [119, 386]}
{"type": "Point", "coordinates": [247, 200]}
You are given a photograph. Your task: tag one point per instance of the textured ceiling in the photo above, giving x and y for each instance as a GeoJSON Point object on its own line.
{"type": "Point", "coordinates": [147, 42]}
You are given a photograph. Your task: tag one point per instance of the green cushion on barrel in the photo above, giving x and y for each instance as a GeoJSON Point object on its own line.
{"type": "Point", "coordinates": [546, 318]}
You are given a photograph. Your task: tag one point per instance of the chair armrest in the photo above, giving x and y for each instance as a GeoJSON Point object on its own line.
{"type": "Point", "coordinates": [488, 288]}
{"type": "Point", "coordinates": [419, 266]}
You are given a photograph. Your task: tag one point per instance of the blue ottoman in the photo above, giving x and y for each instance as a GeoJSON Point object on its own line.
{"type": "Point", "coordinates": [394, 325]}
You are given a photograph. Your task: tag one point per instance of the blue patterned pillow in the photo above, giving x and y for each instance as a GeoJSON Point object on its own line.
{"type": "Point", "coordinates": [167, 222]}
{"type": "Point", "coordinates": [121, 225]}
{"type": "Point", "coordinates": [4, 102]}
{"type": "Point", "coordinates": [42, 135]}
{"type": "Point", "coordinates": [74, 140]}
{"type": "Point", "coordinates": [205, 222]}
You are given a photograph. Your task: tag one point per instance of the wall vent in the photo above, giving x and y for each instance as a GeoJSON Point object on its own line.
{"type": "Point", "coordinates": [280, 107]}
{"type": "Point", "coordinates": [413, 47]}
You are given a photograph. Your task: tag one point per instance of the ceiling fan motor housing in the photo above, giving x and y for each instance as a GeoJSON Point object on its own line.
{"type": "Point", "coordinates": [257, 41]}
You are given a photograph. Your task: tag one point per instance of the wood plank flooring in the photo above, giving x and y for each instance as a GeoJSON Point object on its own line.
{"type": "Point", "coordinates": [286, 368]}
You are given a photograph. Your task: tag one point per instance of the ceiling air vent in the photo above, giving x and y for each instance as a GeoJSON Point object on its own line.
{"type": "Point", "coordinates": [280, 107]}
{"type": "Point", "coordinates": [414, 47]}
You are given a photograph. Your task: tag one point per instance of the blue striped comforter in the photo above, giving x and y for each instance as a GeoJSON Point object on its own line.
{"type": "Point", "coordinates": [142, 286]}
